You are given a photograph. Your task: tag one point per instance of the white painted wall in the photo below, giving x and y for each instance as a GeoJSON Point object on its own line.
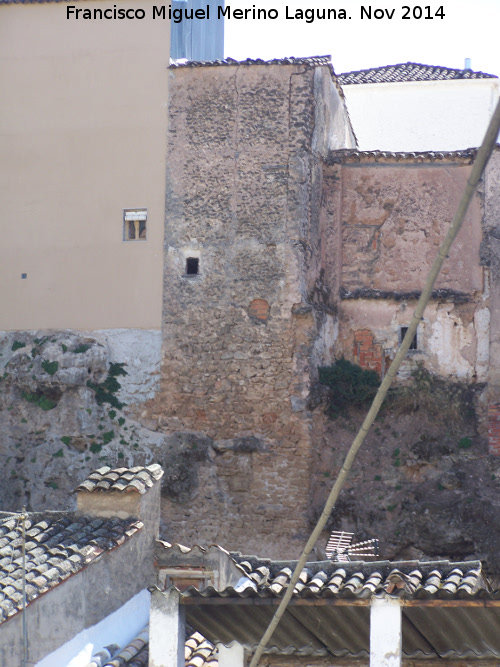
{"type": "Point", "coordinates": [120, 627]}
{"type": "Point", "coordinates": [140, 350]}
{"type": "Point", "coordinates": [231, 656]}
{"type": "Point", "coordinates": [385, 633]}
{"type": "Point", "coordinates": [167, 629]}
{"type": "Point", "coordinates": [423, 115]}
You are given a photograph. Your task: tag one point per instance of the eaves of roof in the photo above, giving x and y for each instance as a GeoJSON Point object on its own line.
{"type": "Point", "coordinates": [409, 72]}
{"type": "Point", "coordinates": [409, 580]}
{"type": "Point", "coordinates": [448, 610]}
{"type": "Point", "coordinates": [312, 61]}
{"type": "Point", "coordinates": [352, 156]}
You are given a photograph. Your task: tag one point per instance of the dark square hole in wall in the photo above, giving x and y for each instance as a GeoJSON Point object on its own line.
{"type": "Point", "coordinates": [192, 266]}
{"type": "Point", "coordinates": [413, 344]}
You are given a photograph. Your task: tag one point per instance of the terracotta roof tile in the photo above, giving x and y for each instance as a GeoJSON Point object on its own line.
{"type": "Point", "coordinates": [312, 61]}
{"type": "Point", "coordinates": [404, 72]}
{"type": "Point", "coordinates": [136, 480]}
{"type": "Point", "coordinates": [198, 652]}
{"type": "Point", "coordinates": [61, 544]}
{"type": "Point", "coordinates": [347, 156]}
{"type": "Point", "coordinates": [408, 579]}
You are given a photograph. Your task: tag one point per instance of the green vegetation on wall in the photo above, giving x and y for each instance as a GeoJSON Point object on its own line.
{"type": "Point", "coordinates": [350, 386]}
{"type": "Point", "coordinates": [43, 402]}
{"type": "Point", "coordinates": [105, 391]}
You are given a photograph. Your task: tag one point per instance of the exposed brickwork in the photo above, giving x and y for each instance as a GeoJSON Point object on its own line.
{"type": "Point", "coordinates": [259, 308]}
{"type": "Point", "coordinates": [494, 428]}
{"type": "Point", "coordinates": [366, 352]}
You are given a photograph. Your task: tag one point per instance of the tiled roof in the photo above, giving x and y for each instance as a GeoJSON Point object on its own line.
{"type": "Point", "coordinates": [198, 652]}
{"type": "Point", "coordinates": [347, 156]}
{"type": "Point", "coordinates": [57, 545]}
{"type": "Point", "coordinates": [448, 609]}
{"type": "Point", "coordinates": [408, 579]}
{"type": "Point", "coordinates": [138, 479]}
{"type": "Point", "coordinates": [313, 61]}
{"type": "Point", "coordinates": [404, 72]}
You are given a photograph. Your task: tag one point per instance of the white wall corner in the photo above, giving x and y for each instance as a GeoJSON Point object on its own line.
{"type": "Point", "coordinates": [167, 632]}
{"type": "Point", "coordinates": [385, 632]}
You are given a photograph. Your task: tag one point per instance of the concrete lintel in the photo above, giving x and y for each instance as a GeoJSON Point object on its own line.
{"type": "Point", "coordinates": [167, 631]}
{"type": "Point", "coordinates": [385, 632]}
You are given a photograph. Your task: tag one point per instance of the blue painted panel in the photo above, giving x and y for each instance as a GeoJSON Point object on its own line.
{"type": "Point", "coordinates": [197, 39]}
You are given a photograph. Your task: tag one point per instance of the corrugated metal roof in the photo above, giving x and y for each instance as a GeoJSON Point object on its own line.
{"type": "Point", "coordinates": [405, 72]}
{"type": "Point", "coordinates": [344, 630]}
{"type": "Point", "coordinates": [448, 608]}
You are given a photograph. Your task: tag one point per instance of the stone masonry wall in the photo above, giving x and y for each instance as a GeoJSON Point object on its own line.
{"type": "Point", "coordinates": [243, 199]}
{"type": "Point", "coordinates": [389, 218]}
{"type": "Point", "coordinates": [394, 216]}
{"type": "Point", "coordinates": [490, 256]}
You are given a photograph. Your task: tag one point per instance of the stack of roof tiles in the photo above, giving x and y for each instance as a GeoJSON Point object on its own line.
{"type": "Point", "coordinates": [404, 72]}
{"type": "Point", "coordinates": [138, 479]}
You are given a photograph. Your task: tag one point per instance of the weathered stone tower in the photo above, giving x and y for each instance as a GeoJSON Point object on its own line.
{"type": "Point", "coordinates": [246, 317]}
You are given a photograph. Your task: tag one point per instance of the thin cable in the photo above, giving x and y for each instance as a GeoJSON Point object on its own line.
{"type": "Point", "coordinates": [482, 158]}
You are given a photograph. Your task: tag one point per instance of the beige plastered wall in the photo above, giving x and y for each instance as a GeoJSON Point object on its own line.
{"type": "Point", "coordinates": [82, 136]}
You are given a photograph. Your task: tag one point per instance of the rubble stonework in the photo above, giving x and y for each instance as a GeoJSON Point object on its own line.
{"type": "Point", "coordinates": [281, 254]}
{"type": "Point", "coordinates": [392, 214]}
{"type": "Point", "coordinates": [490, 256]}
{"type": "Point", "coordinates": [244, 191]}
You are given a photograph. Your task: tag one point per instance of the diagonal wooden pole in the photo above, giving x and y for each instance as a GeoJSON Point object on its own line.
{"type": "Point", "coordinates": [482, 158]}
